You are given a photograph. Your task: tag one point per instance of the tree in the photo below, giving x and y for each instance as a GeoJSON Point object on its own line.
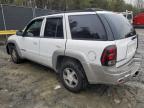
{"type": "Point", "coordinates": [99, 4]}
{"type": "Point", "coordinates": [112, 5]}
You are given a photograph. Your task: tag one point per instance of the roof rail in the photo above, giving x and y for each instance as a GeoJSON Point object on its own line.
{"type": "Point", "coordinates": [73, 10]}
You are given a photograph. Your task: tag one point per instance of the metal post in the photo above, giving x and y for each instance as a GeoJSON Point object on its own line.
{"type": "Point", "coordinates": [33, 9]}
{"type": "Point", "coordinates": [4, 19]}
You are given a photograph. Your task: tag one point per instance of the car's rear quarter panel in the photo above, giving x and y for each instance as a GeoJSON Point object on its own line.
{"type": "Point", "coordinates": [90, 50]}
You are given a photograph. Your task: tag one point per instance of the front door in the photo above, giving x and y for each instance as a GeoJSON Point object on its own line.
{"type": "Point", "coordinates": [30, 40]}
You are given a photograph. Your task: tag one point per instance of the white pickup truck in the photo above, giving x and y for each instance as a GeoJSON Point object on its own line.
{"type": "Point", "coordinates": [95, 47]}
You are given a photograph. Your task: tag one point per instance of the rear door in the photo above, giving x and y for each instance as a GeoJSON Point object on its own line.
{"type": "Point", "coordinates": [125, 37]}
{"type": "Point", "coordinates": [53, 40]}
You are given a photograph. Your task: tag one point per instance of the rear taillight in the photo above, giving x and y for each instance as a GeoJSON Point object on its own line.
{"type": "Point", "coordinates": [109, 56]}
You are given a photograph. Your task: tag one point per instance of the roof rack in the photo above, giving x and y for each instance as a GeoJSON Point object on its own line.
{"type": "Point", "coordinates": [51, 12]}
{"type": "Point", "coordinates": [84, 10]}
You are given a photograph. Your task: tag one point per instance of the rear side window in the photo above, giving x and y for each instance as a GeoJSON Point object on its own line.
{"type": "Point", "coordinates": [87, 27]}
{"type": "Point", "coordinates": [54, 28]}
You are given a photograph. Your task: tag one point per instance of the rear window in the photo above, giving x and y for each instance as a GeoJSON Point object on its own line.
{"type": "Point", "coordinates": [87, 27]}
{"type": "Point", "coordinates": [120, 25]}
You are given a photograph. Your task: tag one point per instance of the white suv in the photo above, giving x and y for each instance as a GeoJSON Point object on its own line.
{"type": "Point", "coordinates": [96, 47]}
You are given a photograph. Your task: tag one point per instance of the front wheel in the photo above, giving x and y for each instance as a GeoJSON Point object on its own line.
{"type": "Point", "coordinates": [15, 56]}
{"type": "Point", "coordinates": [71, 75]}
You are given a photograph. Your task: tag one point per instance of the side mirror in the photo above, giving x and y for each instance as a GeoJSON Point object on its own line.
{"type": "Point", "coordinates": [19, 33]}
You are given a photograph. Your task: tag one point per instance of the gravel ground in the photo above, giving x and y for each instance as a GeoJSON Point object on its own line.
{"type": "Point", "coordinates": [30, 85]}
{"type": "Point", "coordinates": [140, 31]}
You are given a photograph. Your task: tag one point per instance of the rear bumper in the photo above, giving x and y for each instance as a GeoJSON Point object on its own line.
{"type": "Point", "coordinates": [113, 75]}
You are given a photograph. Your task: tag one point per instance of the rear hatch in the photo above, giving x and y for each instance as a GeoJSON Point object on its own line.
{"type": "Point", "coordinates": [125, 37]}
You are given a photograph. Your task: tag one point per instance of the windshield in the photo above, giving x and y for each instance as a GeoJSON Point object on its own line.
{"type": "Point", "coordinates": [120, 25]}
{"type": "Point", "coordinates": [129, 16]}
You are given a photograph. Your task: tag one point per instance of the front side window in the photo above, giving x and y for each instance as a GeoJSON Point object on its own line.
{"type": "Point", "coordinates": [54, 28]}
{"type": "Point", "coordinates": [33, 29]}
{"type": "Point", "coordinates": [87, 27]}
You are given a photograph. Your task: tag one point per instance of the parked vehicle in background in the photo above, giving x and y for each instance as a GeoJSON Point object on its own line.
{"type": "Point", "coordinates": [128, 15]}
{"type": "Point", "coordinates": [95, 47]}
{"type": "Point", "coordinates": [138, 20]}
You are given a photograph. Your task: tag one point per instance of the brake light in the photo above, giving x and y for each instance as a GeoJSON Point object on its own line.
{"type": "Point", "coordinates": [109, 56]}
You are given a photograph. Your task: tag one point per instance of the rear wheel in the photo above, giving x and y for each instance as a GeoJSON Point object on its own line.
{"type": "Point", "coordinates": [71, 75]}
{"type": "Point", "coordinates": [15, 56]}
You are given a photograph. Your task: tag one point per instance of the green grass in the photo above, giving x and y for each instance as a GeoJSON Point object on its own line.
{"type": "Point", "coordinates": [2, 38]}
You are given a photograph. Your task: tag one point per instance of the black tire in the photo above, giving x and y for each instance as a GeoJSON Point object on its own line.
{"type": "Point", "coordinates": [81, 78]}
{"type": "Point", "coordinates": [15, 56]}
